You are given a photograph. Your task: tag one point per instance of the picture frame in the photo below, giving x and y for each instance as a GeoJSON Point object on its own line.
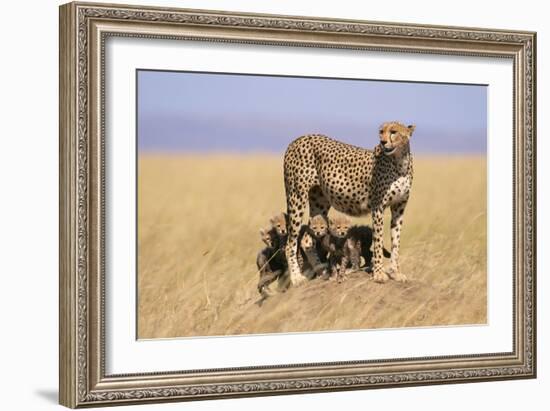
{"type": "Point", "coordinates": [84, 30]}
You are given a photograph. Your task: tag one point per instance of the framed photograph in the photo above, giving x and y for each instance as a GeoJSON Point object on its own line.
{"type": "Point", "coordinates": [261, 204]}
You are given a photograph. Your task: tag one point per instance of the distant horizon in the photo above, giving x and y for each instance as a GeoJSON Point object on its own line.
{"type": "Point", "coordinates": [188, 112]}
{"type": "Point", "coordinates": [242, 153]}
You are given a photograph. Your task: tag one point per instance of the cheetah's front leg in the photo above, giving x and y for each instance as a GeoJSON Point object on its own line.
{"type": "Point", "coordinates": [291, 252]}
{"type": "Point", "coordinates": [378, 239]}
{"type": "Point", "coordinates": [397, 212]}
{"type": "Point", "coordinates": [291, 249]}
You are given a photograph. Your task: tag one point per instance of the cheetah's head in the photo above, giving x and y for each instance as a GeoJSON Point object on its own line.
{"type": "Point", "coordinates": [394, 136]}
{"type": "Point", "coordinates": [278, 222]}
{"type": "Point", "coordinates": [318, 225]}
{"type": "Point", "coordinates": [266, 234]}
{"type": "Point", "coordinates": [339, 226]}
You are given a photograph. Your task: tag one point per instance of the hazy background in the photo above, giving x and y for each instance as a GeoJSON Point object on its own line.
{"type": "Point", "coordinates": [210, 176]}
{"type": "Point", "coordinates": [180, 111]}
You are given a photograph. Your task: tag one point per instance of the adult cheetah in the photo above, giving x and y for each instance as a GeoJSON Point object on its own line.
{"type": "Point", "coordinates": [355, 181]}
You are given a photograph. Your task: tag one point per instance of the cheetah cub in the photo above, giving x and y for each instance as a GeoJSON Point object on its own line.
{"type": "Point", "coordinates": [318, 226]}
{"type": "Point", "coordinates": [358, 244]}
{"type": "Point", "coordinates": [347, 244]}
{"type": "Point", "coordinates": [279, 224]}
{"type": "Point", "coordinates": [335, 244]}
{"type": "Point", "coordinates": [312, 257]}
{"type": "Point", "coordinates": [269, 236]}
{"type": "Point", "coordinates": [271, 260]}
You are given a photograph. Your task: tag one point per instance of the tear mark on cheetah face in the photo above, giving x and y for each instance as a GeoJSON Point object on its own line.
{"type": "Point", "coordinates": [394, 137]}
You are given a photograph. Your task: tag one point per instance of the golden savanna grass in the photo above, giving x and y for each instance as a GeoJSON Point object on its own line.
{"type": "Point", "coordinates": [198, 223]}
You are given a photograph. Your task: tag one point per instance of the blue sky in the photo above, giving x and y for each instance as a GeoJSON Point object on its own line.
{"type": "Point", "coordinates": [181, 112]}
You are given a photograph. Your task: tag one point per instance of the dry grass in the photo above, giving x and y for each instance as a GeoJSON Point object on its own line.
{"type": "Point", "coordinates": [199, 218]}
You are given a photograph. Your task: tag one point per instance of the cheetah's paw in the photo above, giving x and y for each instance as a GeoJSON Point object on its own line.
{"type": "Point", "coordinates": [298, 280]}
{"type": "Point", "coordinates": [399, 277]}
{"type": "Point", "coordinates": [380, 277]}
{"type": "Point", "coordinates": [396, 275]}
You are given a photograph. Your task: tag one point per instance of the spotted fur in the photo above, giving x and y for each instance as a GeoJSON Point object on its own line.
{"type": "Point", "coordinates": [321, 173]}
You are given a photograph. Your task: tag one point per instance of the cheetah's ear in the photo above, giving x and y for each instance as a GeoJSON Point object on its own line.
{"type": "Point", "coordinates": [262, 232]}
{"type": "Point", "coordinates": [411, 128]}
{"type": "Point", "coordinates": [377, 150]}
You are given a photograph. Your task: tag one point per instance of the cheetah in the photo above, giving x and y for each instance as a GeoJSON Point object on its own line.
{"type": "Point", "coordinates": [279, 223]}
{"type": "Point", "coordinates": [271, 261]}
{"type": "Point", "coordinates": [349, 243]}
{"type": "Point", "coordinates": [318, 226]}
{"type": "Point", "coordinates": [311, 249]}
{"type": "Point", "coordinates": [269, 236]}
{"type": "Point", "coordinates": [306, 248]}
{"type": "Point", "coordinates": [321, 173]}
{"type": "Point", "coordinates": [335, 244]}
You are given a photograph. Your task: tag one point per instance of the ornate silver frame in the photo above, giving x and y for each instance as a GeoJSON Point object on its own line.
{"type": "Point", "coordinates": [83, 30]}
